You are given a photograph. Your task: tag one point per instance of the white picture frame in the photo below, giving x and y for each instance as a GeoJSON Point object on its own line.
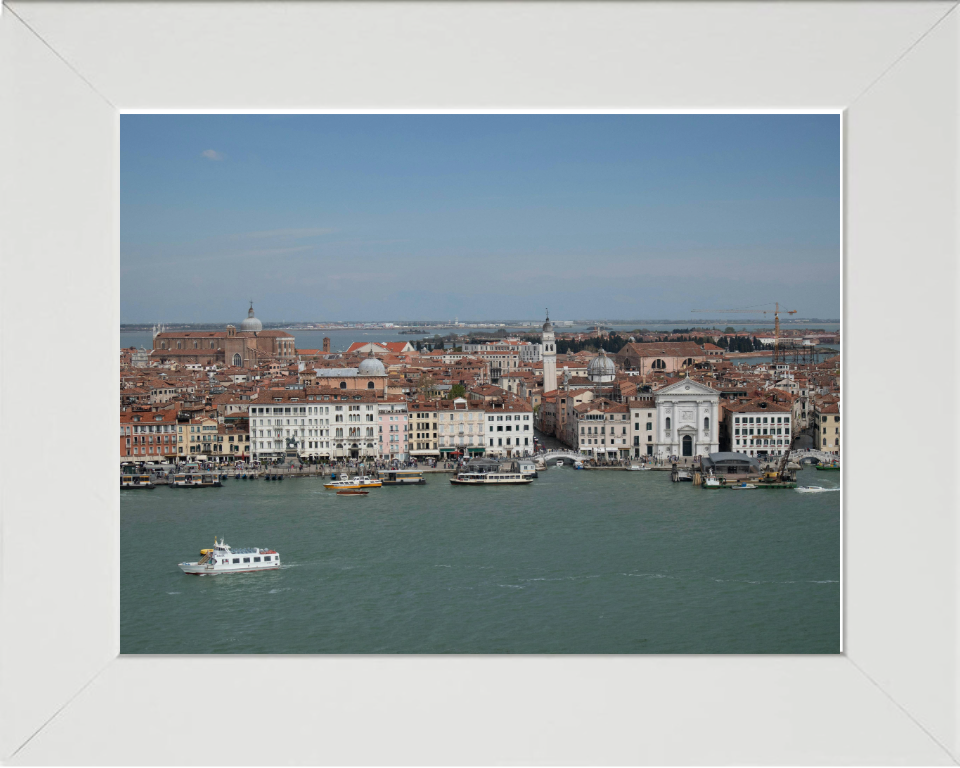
{"type": "Point", "coordinates": [66, 72]}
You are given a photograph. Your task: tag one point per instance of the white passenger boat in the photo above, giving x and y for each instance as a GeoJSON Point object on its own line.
{"type": "Point", "coordinates": [490, 478]}
{"type": "Point", "coordinates": [637, 468]}
{"type": "Point", "coordinates": [223, 559]}
{"type": "Point", "coordinates": [714, 482]}
{"type": "Point", "coordinates": [559, 462]}
{"type": "Point", "coordinates": [812, 489]}
{"type": "Point", "coordinates": [353, 483]}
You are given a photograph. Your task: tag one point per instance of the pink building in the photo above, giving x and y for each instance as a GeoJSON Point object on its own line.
{"type": "Point", "coordinates": [393, 429]}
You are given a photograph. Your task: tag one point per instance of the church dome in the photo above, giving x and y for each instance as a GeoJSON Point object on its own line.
{"type": "Point", "coordinates": [371, 367]}
{"type": "Point", "coordinates": [251, 323]}
{"type": "Point", "coordinates": [601, 368]}
{"type": "Point", "coordinates": [548, 326]}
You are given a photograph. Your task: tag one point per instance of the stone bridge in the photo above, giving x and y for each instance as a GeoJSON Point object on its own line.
{"type": "Point", "coordinates": [561, 454]}
{"type": "Point", "coordinates": [810, 455]}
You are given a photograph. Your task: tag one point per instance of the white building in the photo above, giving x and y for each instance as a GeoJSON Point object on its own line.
{"type": "Point", "coordinates": [643, 419]}
{"type": "Point", "coordinates": [530, 353]}
{"type": "Point", "coordinates": [759, 427]}
{"type": "Point", "coordinates": [687, 419]}
{"type": "Point", "coordinates": [460, 427]}
{"type": "Point", "coordinates": [509, 428]}
{"type": "Point", "coordinates": [340, 426]}
{"type": "Point", "coordinates": [276, 417]}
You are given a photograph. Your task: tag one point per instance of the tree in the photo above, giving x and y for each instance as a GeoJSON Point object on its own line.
{"type": "Point", "coordinates": [729, 329]}
{"type": "Point", "coordinates": [457, 390]}
{"type": "Point", "coordinates": [426, 386]}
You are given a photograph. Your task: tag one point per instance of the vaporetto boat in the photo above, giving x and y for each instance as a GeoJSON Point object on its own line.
{"type": "Point", "coordinates": [358, 482]}
{"type": "Point", "coordinates": [223, 559]}
{"type": "Point", "coordinates": [490, 478]}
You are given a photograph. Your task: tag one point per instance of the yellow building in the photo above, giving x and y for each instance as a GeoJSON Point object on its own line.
{"type": "Point", "coordinates": [197, 437]}
{"type": "Point", "coordinates": [826, 416]}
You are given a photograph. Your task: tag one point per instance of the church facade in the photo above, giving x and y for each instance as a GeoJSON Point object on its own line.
{"type": "Point", "coordinates": [687, 416]}
{"type": "Point", "coordinates": [243, 348]}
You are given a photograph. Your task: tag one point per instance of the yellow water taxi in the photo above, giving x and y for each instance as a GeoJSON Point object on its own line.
{"type": "Point", "coordinates": [353, 483]}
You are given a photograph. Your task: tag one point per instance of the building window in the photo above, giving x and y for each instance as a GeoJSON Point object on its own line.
{"type": "Point", "coordinates": [706, 423]}
{"type": "Point", "coordinates": [343, 385]}
{"type": "Point", "coordinates": [237, 360]}
{"type": "Point", "coordinates": [668, 422]}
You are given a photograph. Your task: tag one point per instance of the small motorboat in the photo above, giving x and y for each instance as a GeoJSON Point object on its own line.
{"type": "Point", "coordinates": [559, 462]}
{"type": "Point", "coordinates": [347, 492]}
{"type": "Point", "coordinates": [743, 486]}
{"type": "Point", "coordinates": [714, 482]}
{"type": "Point", "coordinates": [578, 465]}
{"type": "Point", "coordinates": [637, 468]}
{"type": "Point", "coordinates": [813, 489]}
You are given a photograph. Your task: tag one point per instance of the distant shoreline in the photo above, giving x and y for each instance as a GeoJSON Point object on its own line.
{"type": "Point", "coordinates": [472, 325]}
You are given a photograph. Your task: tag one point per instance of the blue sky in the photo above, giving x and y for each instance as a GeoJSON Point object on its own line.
{"type": "Point", "coordinates": [411, 217]}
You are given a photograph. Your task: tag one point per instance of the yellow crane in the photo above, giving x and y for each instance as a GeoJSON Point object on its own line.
{"type": "Point", "coordinates": [776, 322]}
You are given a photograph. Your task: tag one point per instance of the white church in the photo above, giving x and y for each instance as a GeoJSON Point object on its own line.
{"type": "Point", "coordinates": [682, 421]}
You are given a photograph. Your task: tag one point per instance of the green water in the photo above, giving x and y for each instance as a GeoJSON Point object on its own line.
{"type": "Point", "coordinates": [577, 562]}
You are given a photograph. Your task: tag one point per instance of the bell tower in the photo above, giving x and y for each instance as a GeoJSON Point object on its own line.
{"type": "Point", "coordinates": [549, 357]}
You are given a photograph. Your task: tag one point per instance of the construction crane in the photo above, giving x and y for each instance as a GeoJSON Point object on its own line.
{"type": "Point", "coordinates": [777, 357]}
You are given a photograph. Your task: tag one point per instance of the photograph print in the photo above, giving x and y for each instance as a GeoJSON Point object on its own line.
{"type": "Point", "coordinates": [480, 383]}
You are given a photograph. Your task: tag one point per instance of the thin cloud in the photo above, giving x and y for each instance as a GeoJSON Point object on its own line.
{"type": "Point", "coordinates": [275, 251]}
{"type": "Point", "coordinates": [308, 232]}
{"type": "Point", "coordinates": [212, 154]}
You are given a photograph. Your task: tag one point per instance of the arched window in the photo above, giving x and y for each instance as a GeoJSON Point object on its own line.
{"type": "Point", "coordinates": [658, 364]}
{"type": "Point", "coordinates": [706, 423]}
{"type": "Point", "coordinates": [688, 361]}
{"type": "Point", "coordinates": [369, 385]}
{"type": "Point", "coordinates": [237, 360]}
{"type": "Point", "coordinates": [343, 385]}
{"type": "Point", "coordinates": [179, 345]}
{"type": "Point", "coordinates": [163, 345]}
{"type": "Point", "coordinates": [668, 422]}
{"type": "Point", "coordinates": [196, 345]}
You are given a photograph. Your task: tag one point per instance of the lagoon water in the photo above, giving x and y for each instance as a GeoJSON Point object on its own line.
{"type": "Point", "coordinates": [577, 562]}
{"type": "Point", "coordinates": [342, 338]}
